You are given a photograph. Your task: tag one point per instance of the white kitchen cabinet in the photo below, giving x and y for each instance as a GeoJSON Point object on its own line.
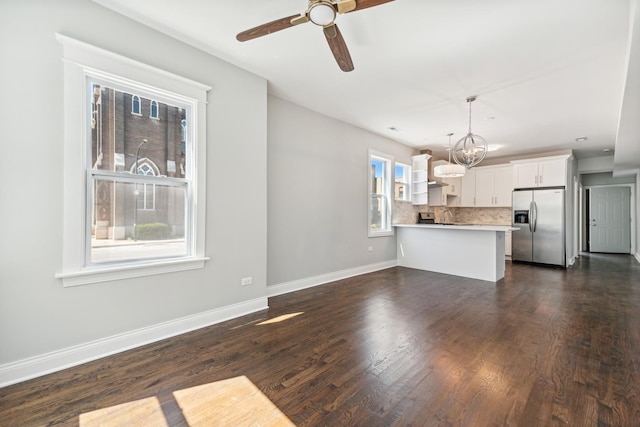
{"type": "Point", "coordinates": [493, 186]}
{"type": "Point", "coordinates": [503, 186]}
{"type": "Point", "coordinates": [419, 178]}
{"type": "Point", "coordinates": [540, 172]}
{"type": "Point", "coordinates": [552, 173]}
{"type": "Point", "coordinates": [446, 195]}
{"type": "Point", "coordinates": [507, 243]}
{"type": "Point", "coordinates": [467, 196]}
{"type": "Point", "coordinates": [453, 189]}
{"type": "Point", "coordinates": [437, 197]}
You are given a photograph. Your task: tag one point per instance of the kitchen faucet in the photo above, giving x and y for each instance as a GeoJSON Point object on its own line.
{"type": "Point", "coordinates": [444, 216]}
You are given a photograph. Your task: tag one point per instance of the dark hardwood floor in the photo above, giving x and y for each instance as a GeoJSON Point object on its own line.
{"type": "Point", "coordinates": [399, 347]}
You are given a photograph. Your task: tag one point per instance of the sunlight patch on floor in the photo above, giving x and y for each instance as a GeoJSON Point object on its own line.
{"type": "Point", "coordinates": [144, 412]}
{"type": "Point", "coordinates": [280, 318]}
{"type": "Point", "coordinates": [233, 402]}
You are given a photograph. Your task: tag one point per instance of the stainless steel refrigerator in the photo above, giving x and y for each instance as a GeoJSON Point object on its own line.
{"type": "Point", "coordinates": [540, 217]}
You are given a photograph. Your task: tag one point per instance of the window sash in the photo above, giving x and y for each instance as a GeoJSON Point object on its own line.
{"type": "Point", "coordinates": [380, 195]}
{"type": "Point", "coordinates": [93, 177]}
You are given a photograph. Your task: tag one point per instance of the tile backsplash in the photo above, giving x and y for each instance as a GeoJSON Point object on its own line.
{"type": "Point", "coordinates": [498, 216]}
{"type": "Point", "coordinates": [406, 213]}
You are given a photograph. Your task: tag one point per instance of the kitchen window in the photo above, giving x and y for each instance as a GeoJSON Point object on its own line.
{"type": "Point", "coordinates": [128, 210]}
{"type": "Point", "coordinates": [402, 191]}
{"type": "Point", "coordinates": [380, 194]}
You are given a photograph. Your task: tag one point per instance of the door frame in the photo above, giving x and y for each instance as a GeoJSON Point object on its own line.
{"type": "Point", "coordinates": [584, 207]}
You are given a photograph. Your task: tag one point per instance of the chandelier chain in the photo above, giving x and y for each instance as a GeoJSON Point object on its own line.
{"type": "Point", "coordinates": [470, 101]}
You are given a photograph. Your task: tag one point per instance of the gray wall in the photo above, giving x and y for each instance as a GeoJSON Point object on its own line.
{"type": "Point", "coordinates": [37, 314]}
{"type": "Point", "coordinates": [317, 183]}
{"type": "Point", "coordinates": [606, 178]}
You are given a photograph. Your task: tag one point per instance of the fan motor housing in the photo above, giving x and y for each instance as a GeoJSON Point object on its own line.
{"type": "Point", "coordinates": [322, 13]}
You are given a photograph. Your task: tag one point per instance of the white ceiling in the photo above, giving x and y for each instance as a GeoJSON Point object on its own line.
{"type": "Point", "coordinates": [545, 71]}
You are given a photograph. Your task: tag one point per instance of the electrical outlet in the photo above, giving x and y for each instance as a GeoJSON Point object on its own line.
{"type": "Point", "coordinates": [246, 281]}
{"type": "Point", "coordinates": [370, 249]}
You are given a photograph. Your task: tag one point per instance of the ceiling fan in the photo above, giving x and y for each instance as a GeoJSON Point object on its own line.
{"type": "Point", "coordinates": [322, 13]}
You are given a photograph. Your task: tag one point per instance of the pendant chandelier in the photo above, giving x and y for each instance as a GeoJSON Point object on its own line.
{"type": "Point", "coordinates": [471, 149]}
{"type": "Point", "coordinates": [450, 170]}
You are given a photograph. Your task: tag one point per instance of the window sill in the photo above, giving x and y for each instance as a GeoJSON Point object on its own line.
{"type": "Point", "coordinates": [106, 274]}
{"type": "Point", "coordinates": [383, 233]}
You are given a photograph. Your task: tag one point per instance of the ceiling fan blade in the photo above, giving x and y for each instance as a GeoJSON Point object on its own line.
{"type": "Point", "coordinates": [363, 4]}
{"type": "Point", "coordinates": [338, 48]}
{"type": "Point", "coordinates": [344, 6]}
{"type": "Point", "coordinates": [268, 28]}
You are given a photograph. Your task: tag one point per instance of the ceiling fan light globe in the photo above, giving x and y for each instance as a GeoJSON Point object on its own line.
{"type": "Point", "coordinates": [322, 14]}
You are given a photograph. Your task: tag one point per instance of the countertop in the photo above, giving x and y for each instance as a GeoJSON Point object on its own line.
{"type": "Point", "coordinates": [486, 227]}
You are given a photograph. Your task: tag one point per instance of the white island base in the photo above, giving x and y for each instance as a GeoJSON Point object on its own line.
{"type": "Point", "coordinates": [475, 251]}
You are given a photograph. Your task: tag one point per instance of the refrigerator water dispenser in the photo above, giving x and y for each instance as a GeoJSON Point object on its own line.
{"type": "Point", "coordinates": [521, 217]}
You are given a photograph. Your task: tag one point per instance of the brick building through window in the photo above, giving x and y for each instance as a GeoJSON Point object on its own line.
{"type": "Point", "coordinates": [131, 134]}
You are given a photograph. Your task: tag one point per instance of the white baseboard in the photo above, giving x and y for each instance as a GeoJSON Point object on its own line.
{"type": "Point", "coordinates": [309, 282]}
{"type": "Point", "coordinates": [33, 367]}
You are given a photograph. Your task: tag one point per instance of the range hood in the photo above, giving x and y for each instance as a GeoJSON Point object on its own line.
{"type": "Point", "coordinates": [436, 182]}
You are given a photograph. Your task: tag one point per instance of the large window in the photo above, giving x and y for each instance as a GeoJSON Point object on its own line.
{"type": "Point", "coordinates": [402, 182]}
{"type": "Point", "coordinates": [140, 208]}
{"type": "Point", "coordinates": [380, 194]}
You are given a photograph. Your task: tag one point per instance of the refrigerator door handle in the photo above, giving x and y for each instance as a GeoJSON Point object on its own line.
{"type": "Point", "coordinates": [535, 216]}
{"type": "Point", "coordinates": [531, 216]}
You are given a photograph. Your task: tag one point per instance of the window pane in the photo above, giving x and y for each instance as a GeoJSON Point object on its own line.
{"type": "Point", "coordinates": [402, 182]}
{"type": "Point", "coordinates": [402, 191]}
{"type": "Point", "coordinates": [378, 212]}
{"type": "Point", "coordinates": [120, 140]}
{"type": "Point", "coordinates": [378, 174]}
{"type": "Point", "coordinates": [154, 110]}
{"type": "Point", "coordinates": [125, 227]}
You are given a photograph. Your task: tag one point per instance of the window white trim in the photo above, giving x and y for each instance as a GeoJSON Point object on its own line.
{"type": "Point", "coordinates": [387, 229]}
{"type": "Point", "coordinates": [80, 60]}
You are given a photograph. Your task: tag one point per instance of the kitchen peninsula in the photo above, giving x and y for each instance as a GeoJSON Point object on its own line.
{"type": "Point", "coordinates": [474, 251]}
